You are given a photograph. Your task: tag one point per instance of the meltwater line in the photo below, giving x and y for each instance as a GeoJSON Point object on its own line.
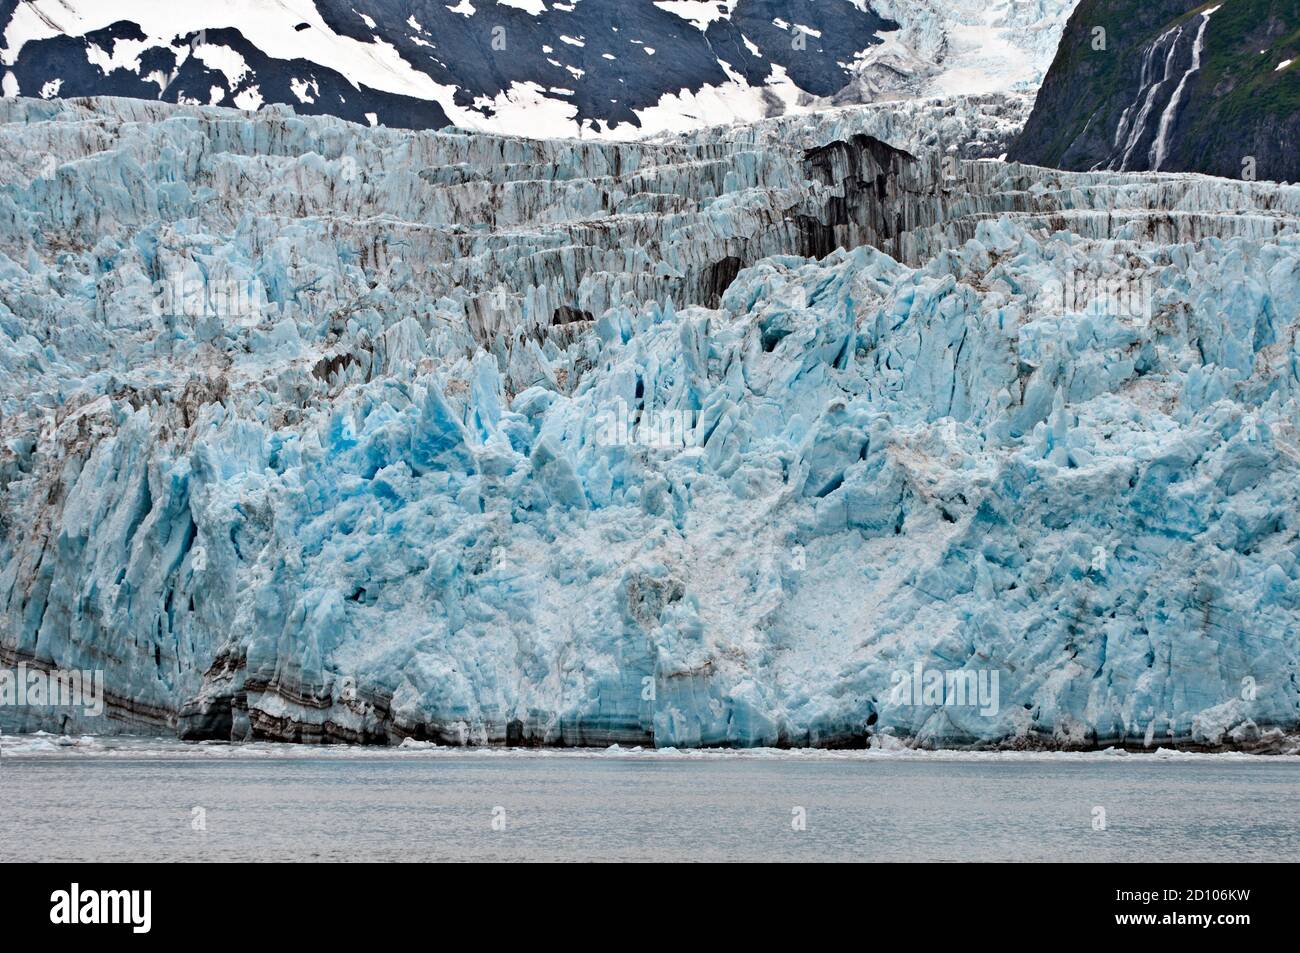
{"type": "Point", "coordinates": [1161, 147]}
{"type": "Point", "coordinates": [1152, 87]}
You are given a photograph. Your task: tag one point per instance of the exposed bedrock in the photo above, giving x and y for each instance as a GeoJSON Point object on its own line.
{"type": "Point", "coordinates": [1174, 86]}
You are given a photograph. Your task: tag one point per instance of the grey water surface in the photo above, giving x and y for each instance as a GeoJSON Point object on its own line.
{"type": "Point", "coordinates": [177, 803]}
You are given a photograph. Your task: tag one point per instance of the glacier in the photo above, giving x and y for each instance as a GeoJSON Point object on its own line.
{"type": "Point", "coordinates": [945, 48]}
{"type": "Point", "coordinates": [312, 432]}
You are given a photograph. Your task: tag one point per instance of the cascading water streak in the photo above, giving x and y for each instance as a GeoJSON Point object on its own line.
{"type": "Point", "coordinates": [1147, 94]}
{"type": "Point", "coordinates": [1160, 147]}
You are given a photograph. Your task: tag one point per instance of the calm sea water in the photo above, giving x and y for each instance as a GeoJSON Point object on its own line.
{"type": "Point", "coordinates": [138, 801]}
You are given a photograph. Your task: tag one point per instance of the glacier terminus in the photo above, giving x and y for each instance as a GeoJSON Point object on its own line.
{"type": "Point", "coordinates": [311, 431]}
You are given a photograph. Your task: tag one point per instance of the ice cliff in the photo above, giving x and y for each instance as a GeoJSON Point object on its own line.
{"type": "Point", "coordinates": [316, 432]}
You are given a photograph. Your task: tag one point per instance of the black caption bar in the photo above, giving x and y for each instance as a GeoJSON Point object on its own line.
{"type": "Point", "coordinates": [147, 903]}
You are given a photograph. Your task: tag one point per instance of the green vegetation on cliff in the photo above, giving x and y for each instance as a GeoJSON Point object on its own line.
{"type": "Point", "coordinates": [1240, 103]}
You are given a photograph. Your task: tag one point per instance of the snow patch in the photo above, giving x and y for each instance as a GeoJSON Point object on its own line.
{"type": "Point", "coordinates": [535, 7]}
{"type": "Point", "coordinates": [224, 60]}
{"type": "Point", "coordinates": [250, 99]}
{"type": "Point", "coordinates": [699, 13]}
{"type": "Point", "coordinates": [305, 89]}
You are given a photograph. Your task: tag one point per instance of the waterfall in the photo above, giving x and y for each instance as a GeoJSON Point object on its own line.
{"type": "Point", "coordinates": [1147, 94]}
{"type": "Point", "coordinates": [1161, 146]}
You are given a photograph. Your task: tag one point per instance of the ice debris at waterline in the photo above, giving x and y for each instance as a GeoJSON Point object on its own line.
{"type": "Point", "coordinates": [269, 467]}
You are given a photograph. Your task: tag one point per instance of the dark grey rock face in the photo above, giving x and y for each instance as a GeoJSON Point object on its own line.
{"type": "Point", "coordinates": [1173, 86]}
{"type": "Point", "coordinates": [65, 58]}
{"type": "Point", "coordinates": [607, 59]}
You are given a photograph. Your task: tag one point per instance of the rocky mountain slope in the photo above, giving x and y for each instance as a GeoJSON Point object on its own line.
{"type": "Point", "coordinates": [310, 431]}
{"type": "Point", "coordinates": [1180, 85]}
{"type": "Point", "coordinates": [595, 68]}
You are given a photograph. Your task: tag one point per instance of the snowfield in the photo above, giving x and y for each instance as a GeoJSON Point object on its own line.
{"type": "Point", "coordinates": [529, 68]}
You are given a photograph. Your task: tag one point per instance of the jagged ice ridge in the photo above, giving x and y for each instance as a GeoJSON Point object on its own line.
{"type": "Point", "coordinates": [372, 494]}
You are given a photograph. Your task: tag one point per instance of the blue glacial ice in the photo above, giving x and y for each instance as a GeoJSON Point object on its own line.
{"type": "Point", "coordinates": [313, 432]}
